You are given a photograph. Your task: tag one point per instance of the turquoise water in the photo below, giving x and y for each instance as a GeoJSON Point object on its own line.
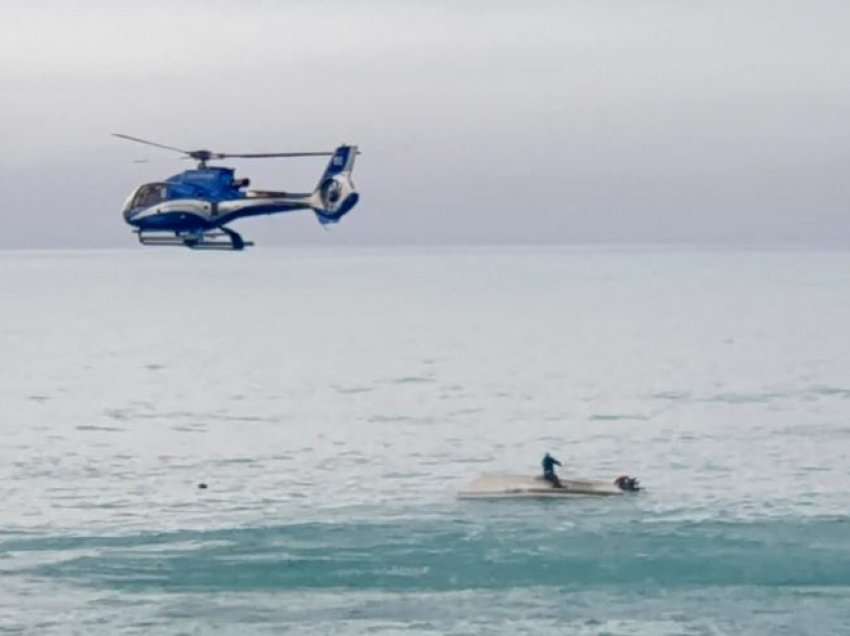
{"type": "Point", "coordinates": [335, 402]}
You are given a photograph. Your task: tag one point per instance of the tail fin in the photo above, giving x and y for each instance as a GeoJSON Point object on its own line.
{"type": "Point", "coordinates": [335, 194]}
{"type": "Point", "coordinates": [342, 162]}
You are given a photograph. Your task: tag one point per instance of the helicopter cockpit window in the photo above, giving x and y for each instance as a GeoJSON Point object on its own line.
{"type": "Point", "coordinates": [148, 195]}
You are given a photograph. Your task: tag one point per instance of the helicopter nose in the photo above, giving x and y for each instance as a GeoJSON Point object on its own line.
{"type": "Point", "coordinates": [130, 214]}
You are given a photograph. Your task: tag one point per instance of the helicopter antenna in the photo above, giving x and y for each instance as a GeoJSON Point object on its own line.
{"type": "Point", "coordinates": [202, 156]}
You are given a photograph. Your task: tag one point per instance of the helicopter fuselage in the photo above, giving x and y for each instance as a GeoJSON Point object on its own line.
{"type": "Point", "coordinates": [204, 199]}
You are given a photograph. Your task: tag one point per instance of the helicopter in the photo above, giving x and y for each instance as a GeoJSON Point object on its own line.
{"type": "Point", "coordinates": [192, 209]}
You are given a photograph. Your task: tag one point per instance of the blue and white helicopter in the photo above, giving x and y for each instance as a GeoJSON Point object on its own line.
{"type": "Point", "coordinates": [193, 208]}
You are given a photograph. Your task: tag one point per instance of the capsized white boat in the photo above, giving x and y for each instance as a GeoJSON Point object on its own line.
{"type": "Point", "coordinates": [500, 486]}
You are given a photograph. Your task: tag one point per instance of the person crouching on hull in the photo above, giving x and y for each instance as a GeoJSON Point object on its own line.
{"type": "Point", "coordinates": [549, 475]}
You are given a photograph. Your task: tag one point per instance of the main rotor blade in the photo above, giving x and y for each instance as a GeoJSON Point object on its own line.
{"type": "Point", "coordinates": [151, 143]}
{"type": "Point", "coordinates": [265, 155]}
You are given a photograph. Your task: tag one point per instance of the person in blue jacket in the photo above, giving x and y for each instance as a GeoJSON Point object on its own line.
{"type": "Point", "coordinates": [549, 475]}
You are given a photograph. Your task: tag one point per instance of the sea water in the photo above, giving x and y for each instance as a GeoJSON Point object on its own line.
{"type": "Point", "coordinates": [334, 401]}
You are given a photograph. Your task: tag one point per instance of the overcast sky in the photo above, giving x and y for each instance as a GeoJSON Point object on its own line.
{"type": "Point", "coordinates": [479, 122]}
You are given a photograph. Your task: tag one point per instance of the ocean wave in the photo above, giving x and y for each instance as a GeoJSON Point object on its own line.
{"type": "Point", "coordinates": [445, 554]}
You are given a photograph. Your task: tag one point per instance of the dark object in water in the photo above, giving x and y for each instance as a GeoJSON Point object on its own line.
{"type": "Point", "coordinates": [202, 486]}
{"type": "Point", "coordinates": [624, 482]}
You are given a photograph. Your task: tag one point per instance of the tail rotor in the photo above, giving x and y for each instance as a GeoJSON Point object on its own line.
{"type": "Point", "coordinates": [336, 193]}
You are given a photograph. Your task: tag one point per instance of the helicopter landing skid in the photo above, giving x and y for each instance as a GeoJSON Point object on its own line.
{"type": "Point", "coordinates": [223, 239]}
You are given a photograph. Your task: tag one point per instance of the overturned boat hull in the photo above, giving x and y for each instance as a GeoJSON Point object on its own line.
{"type": "Point", "coordinates": [505, 486]}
